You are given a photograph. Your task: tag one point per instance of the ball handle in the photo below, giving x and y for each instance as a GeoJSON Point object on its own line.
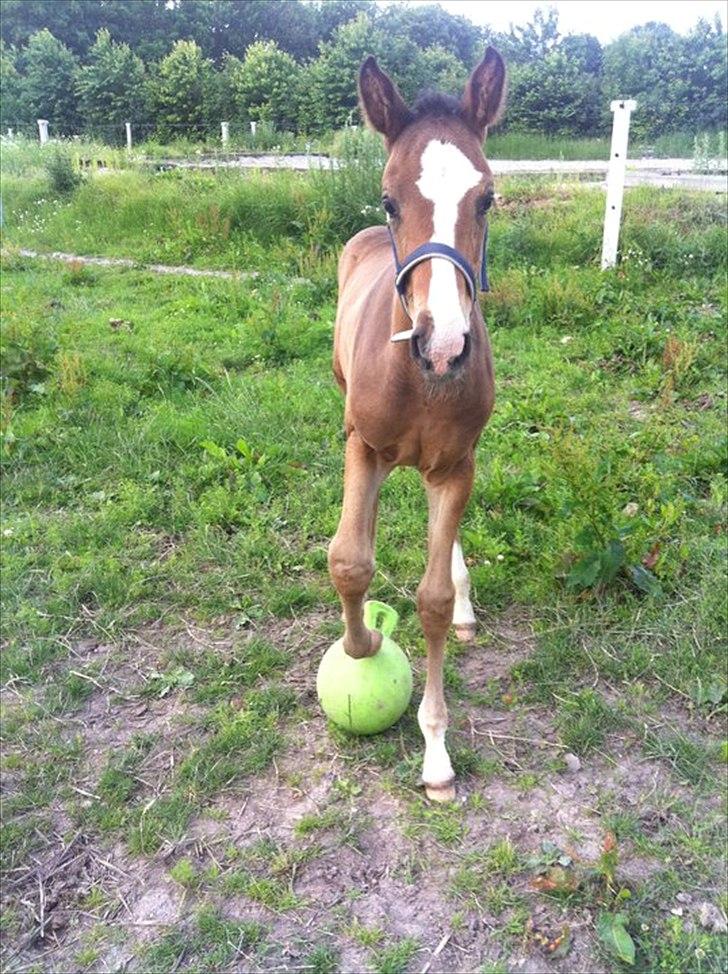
{"type": "Point", "coordinates": [380, 616]}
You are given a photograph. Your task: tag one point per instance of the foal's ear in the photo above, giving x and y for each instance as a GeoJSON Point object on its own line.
{"type": "Point", "coordinates": [382, 105]}
{"type": "Point", "coordinates": [484, 96]}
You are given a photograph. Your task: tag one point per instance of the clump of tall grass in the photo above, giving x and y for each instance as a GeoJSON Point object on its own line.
{"type": "Point", "coordinates": [346, 195]}
{"type": "Point", "coordinates": [63, 174]}
{"type": "Point", "coordinates": [534, 145]}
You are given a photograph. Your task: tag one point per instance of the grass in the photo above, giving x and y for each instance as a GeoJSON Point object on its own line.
{"type": "Point", "coordinates": [531, 145]}
{"type": "Point", "coordinates": [182, 470]}
{"type": "Point", "coordinates": [395, 958]}
{"type": "Point", "coordinates": [209, 944]}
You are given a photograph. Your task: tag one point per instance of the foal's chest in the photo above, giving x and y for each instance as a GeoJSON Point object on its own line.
{"type": "Point", "coordinates": [434, 437]}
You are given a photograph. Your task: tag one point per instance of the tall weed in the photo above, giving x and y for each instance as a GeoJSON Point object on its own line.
{"type": "Point", "coordinates": [346, 196]}
{"type": "Point", "coordinates": [63, 174]}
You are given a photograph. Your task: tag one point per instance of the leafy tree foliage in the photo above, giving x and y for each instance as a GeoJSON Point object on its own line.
{"type": "Point", "coordinates": [552, 95]}
{"type": "Point", "coordinates": [111, 88]}
{"type": "Point", "coordinates": [329, 96]}
{"type": "Point", "coordinates": [77, 22]}
{"type": "Point", "coordinates": [679, 82]}
{"type": "Point", "coordinates": [182, 91]}
{"type": "Point", "coordinates": [49, 75]}
{"type": "Point", "coordinates": [439, 69]}
{"type": "Point", "coordinates": [13, 107]}
{"type": "Point", "coordinates": [265, 85]}
{"type": "Point", "coordinates": [295, 63]}
{"type": "Point", "coordinates": [533, 41]}
{"type": "Point", "coordinates": [432, 26]}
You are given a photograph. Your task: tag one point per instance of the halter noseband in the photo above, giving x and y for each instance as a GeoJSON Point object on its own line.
{"type": "Point", "coordinates": [426, 252]}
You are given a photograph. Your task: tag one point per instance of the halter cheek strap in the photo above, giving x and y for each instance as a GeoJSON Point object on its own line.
{"type": "Point", "coordinates": [426, 252]}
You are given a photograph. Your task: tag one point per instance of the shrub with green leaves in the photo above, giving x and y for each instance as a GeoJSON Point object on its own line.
{"type": "Point", "coordinates": [62, 172]}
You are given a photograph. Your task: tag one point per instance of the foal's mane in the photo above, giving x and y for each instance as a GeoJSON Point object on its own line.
{"type": "Point", "coordinates": [434, 104]}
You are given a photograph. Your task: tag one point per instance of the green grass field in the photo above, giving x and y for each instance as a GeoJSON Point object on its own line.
{"type": "Point", "coordinates": [172, 454]}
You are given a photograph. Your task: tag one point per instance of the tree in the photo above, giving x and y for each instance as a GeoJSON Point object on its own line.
{"type": "Point", "coordinates": [143, 24]}
{"type": "Point", "coordinates": [584, 50]}
{"type": "Point", "coordinates": [13, 105]}
{"type": "Point", "coordinates": [644, 63]}
{"type": "Point", "coordinates": [111, 87]}
{"type": "Point", "coordinates": [704, 77]}
{"type": "Point", "coordinates": [329, 84]}
{"type": "Point", "coordinates": [49, 70]}
{"type": "Point", "coordinates": [438, 69]}
{"type": "Point", "coordinates": [329, 15]}
{"type": "Point", "coordinates": [182, 92]}
{"type": "Point", "coordinates": [230, 26]}
{"type": "Point", "coordinates": [264, 85]}
{"type": "Point", "coordinates": [552, 95]}
{"type": "Point", "coordinates": [329, 97]}
{"type": "Point", "coordinates": [679, 82]}
{"type": "Point", "coordinates": [431, 26]}
{"type": "Point", "coordinates": [539, 37]}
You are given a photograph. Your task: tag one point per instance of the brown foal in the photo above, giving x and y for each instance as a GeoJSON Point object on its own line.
{"type": "Point", "coordinates": [417, 373]}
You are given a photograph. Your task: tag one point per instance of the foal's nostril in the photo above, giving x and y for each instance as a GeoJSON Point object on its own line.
{"type": "Point", "coordinates": [419, 351]}
{"type": "Point", "coordinates": [458, 360]}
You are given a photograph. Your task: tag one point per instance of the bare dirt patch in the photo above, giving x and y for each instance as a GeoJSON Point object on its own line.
{"type": "Point", "coordinates": [340, 827]}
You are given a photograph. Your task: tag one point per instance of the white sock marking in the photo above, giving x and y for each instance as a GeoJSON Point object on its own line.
{"type": "Point", "coordinates": [436, 767]}
{"type": "Point", "coordinates": [463, 614]}
{"type": "Point", "coordinates": [447, 175]}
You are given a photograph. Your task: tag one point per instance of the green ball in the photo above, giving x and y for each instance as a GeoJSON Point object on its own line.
{"type": "Point", "coordinates": [364, 696]}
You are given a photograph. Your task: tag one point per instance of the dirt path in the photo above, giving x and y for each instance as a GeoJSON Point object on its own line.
{"type": "Point", "coordinates": [127, 262]}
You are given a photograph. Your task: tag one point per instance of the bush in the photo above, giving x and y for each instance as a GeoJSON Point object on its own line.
{"type": "Point", "coordinates": [63, 175]}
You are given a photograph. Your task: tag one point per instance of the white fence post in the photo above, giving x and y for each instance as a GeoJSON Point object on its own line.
{"type": "Point", "coordinates": [253, 127]}
{"type": "Point", "coordinates": [10, 133]}
{"type": "Point", "coordinates": [225, 132]}
{"type": "Point", "coordinates": [127, 126]}
{"type": "Point", "coordinates": [43, 130]}
{"type": "Point", "coordinates": [622, 110]}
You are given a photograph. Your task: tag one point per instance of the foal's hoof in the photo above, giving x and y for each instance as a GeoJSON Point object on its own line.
{"type": "Point", "coordinates": [441, 793]}
{"type": "Point", "coordinates": [375, 642]}
{"type": "Point", "coordinates": [370, 648]}
{"type": "Point", "coordinates": [465, 634]}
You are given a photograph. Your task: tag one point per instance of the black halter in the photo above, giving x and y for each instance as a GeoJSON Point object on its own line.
{"type": "Point", "coordinates": [426, 252]}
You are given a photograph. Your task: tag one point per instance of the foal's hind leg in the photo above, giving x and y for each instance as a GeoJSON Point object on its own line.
{"type": "Point", "coordinates": [435, 602]}
{"type": "Point", "coordinates": [463, 617]}
{"type": "Point", "coordinates": [351, 553]}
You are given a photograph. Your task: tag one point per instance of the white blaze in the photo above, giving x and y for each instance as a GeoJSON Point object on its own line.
{"type": "Point", "coordinates": [447, 175]}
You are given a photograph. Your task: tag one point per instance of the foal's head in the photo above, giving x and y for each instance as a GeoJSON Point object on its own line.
{"type": "Point", "coordinates": [437, 187]}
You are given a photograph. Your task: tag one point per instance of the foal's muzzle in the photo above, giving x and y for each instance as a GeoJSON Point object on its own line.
{"type": "Point", "coordinates": [428, 357]}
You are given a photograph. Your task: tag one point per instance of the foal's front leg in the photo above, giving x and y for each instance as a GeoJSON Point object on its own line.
{"type": "Point", "coordinates": [351, 552]}
{"type": "Point", "coordinates": [435, 601]}
{"type": "Point", "coordinates": [463, 617]}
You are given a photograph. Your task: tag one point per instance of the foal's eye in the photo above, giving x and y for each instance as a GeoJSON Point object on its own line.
{"type": "Point", "coordinates": [484, 203]}
{"type": "Point", "coordinates": [390, 207]}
